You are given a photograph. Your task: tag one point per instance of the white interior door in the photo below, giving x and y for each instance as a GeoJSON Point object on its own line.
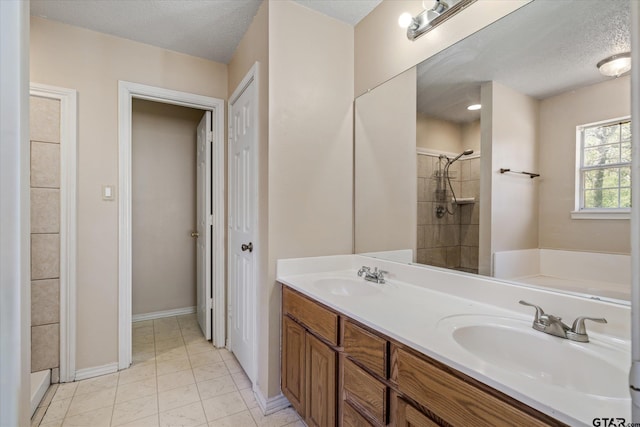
{"type": "Point", "coordinates": [203, 221]}
{"type": "Point", "coordinates": [242, 228]}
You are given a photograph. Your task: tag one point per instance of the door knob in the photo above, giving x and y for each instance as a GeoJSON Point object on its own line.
{"type": "Point", "coordinates": [248, 247]}
{"type": "Point", "coordinates": [195, 234]}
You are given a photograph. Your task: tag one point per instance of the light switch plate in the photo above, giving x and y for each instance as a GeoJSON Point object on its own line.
{"type": "Point", "coordinates": [108, 192]}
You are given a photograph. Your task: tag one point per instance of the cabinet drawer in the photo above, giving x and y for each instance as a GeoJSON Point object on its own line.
{"type": "Point", "coordinates": [352, 418]}
{"type": "Point", "coordinates": [365, 347]}
{"type": "Point", "coordinates": [408, 416]}
{"type": "Point", "coordinates": [317, 318]}
{"type": "Point", "coordinates": [363, 391]}
{"type": "Point", "coordinates": [452, 399]}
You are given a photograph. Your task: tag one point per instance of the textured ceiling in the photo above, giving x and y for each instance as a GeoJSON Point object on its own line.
{"type": "Point", "coordinates": [206, 28]}
{"type": "Point", "coordinates": [542, 49]}
{"type": "Point", "coordinates": [349, 11]}
{"type": "Point", "coordinates": [209, 29]}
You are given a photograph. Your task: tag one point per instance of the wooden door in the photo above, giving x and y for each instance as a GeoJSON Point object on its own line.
{"type": "Point", "coordinates": [293, 363]}
{"type": "Point", "coordinates": [320, 383]}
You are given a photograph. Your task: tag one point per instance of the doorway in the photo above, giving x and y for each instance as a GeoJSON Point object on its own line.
{"type": "Point", "coordinates": [213, 288]}
{"type": "Point", "coordinates": [164, 198]}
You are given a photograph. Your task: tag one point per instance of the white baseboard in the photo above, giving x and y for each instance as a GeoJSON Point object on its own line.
{"type": "Point", "coordinates": [96, 371]}
{"type": "Point", "coordinates": [40, 382]}
{"type": "Point", "coordinates": [271, 405]}
{"type": "Point", "coordinates": [161, 314]}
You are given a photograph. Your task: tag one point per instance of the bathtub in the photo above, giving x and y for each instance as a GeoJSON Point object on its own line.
{"type": "Point", "coordinates": [601, 274]}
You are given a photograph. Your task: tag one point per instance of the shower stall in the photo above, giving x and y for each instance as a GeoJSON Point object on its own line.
{"type": "Point", "coordinates": [448, 210]}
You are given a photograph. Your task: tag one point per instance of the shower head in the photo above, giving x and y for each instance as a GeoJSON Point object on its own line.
{"type": "Point", "coordinates": [464, 153]}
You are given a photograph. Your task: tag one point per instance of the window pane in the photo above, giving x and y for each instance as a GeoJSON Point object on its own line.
{"type": "Point", "coordinates": [607, 198]}
{"type": "Point", "coordinates": [625, 177]}
{"type": "Point", "coordinates": [605, 168]}
{"type": "Point", "coordinates": [601, 135]}
{"type": "Point", "coordinates": [625, 197]}
{"type": "Point", "coordinates": [625, 152]}
{"type": "Point", "coordinates": [626, 131]}
{"type": "Point", "coordinates": [602, 155]}
{"type": "Point", "coordinates": [601, 178]}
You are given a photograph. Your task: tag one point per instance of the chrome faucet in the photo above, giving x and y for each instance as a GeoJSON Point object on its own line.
{"type": "Point", "coordinates": [376, 275]}
{"type": "Point", "coordinates": [553, 325]}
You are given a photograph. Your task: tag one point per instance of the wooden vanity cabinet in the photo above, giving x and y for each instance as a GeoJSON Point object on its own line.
{"type": "Point", "coordinates": [364, 371]}
{"type": "Point", "coordinates": [452, 398]}
{"type": "Point", "coordinates": [309, 358]}
{"type": "Point", "coordinates": [337, 372]}
{"type": "Point", "coordinates": [293, 363]}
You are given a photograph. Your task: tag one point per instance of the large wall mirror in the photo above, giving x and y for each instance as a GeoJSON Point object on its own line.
{"type": "Point", "coordinates": [532, 185]}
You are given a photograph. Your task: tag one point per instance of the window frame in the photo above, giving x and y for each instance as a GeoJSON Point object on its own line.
{"type": "Point", "coordinates": [580, 212]}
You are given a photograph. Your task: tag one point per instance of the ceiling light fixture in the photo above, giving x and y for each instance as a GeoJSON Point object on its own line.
{"type": "Point", "coordinates": [474, 107]}
{"type": "Point", "coordinates": [430, 18]}
{"type": "Point", "coordinates": [615, 65]}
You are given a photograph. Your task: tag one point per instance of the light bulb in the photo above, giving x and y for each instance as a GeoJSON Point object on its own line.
{"type": "Point", "coordinates": [405, 20]}
{"type": "Point", "coordinates": [474, 107]}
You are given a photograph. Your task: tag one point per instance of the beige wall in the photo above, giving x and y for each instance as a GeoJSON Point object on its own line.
{"type": "Point", "coordinates": [385, 166]}
{"type": "Point", "coordinates": [92, 63]}
{"type": "Point", "coordinates": [163, 206]}
{"type": "Point", "coordinates": [437, 134]}
{"type": "Point", "coordinates": [310, 153]}
{"type": "Point", "coordinates": [383, 51]}
{"type": "Point", "coordinates": [471, 136]}
{"type": "Point", "coordinates": [559, 116]}
{"type": "Point", "coordinates": [509, 220]}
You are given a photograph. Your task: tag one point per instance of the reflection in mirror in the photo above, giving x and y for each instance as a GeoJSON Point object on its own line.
{"type": "Point", "coordinates": [431, 182]}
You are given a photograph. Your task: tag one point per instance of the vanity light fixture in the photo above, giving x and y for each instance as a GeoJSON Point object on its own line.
{"type": "Point", "coordinates": [615, 65]}
{"type": "Point", "coordinates": [430, 18]}
{"type": "Point", "coordinates": [474, 107]}
{"type": "Point", "coordinates": [405, 20]}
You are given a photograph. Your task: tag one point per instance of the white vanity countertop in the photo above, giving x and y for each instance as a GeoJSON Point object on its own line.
{"type": "Point", "coordinates": [417, 306]}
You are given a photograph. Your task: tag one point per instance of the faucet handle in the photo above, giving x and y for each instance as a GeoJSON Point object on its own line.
{"type": "Point", "coordinates": [578, 324]}
{"type": "Point", "coordinates": [363, 270]}
{"type": "Point", "coordinates": [539, 311]}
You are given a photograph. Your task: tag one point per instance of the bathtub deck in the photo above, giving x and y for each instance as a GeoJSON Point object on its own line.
{"type": "Point", "coordinates": [603, 289]}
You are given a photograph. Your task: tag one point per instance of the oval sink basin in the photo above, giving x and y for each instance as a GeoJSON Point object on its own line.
{"type": "Point", "coordinates": [512, 345]}
{"type": "Point", "coordinates": [346, 287]}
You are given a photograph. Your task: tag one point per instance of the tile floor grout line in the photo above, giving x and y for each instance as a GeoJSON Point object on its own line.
{"type": "Point", "coordinates": [155, 360]}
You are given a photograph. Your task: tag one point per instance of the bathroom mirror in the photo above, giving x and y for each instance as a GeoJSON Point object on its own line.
{"type": "Point", "coordinates": [492, 191]}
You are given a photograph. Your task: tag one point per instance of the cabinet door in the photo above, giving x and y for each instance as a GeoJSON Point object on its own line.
{"type": "Point", "coordinates": [320, 383]}
{"type": "Point", "coordinates": [408, 416]}
{"type": "Point", "coordinates": [293, 363]}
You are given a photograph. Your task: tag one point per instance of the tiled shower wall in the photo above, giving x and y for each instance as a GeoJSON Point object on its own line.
{"type": "Point", "coordinates": [45, 234]}
{"type": "Point", "coordinates": [450, 241]}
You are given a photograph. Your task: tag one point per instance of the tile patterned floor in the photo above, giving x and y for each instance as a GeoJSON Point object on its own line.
{"type": "Point", "coordinates": [177, 379]}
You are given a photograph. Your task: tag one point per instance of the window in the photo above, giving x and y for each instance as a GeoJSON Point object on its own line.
{"type": "Point", "coordinates": [604, 168]}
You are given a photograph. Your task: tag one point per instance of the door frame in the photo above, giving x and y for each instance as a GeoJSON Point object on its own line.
{"type": "Point", "coordinates": [127, 91]}
{"type": "Point", "coordinates": [252, 76]}
{"type": "Point", "coordinates": [68, 220]}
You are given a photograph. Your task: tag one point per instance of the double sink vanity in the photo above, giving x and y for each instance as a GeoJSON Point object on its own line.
{"type": "Point", "coordinates": [427, 346]}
